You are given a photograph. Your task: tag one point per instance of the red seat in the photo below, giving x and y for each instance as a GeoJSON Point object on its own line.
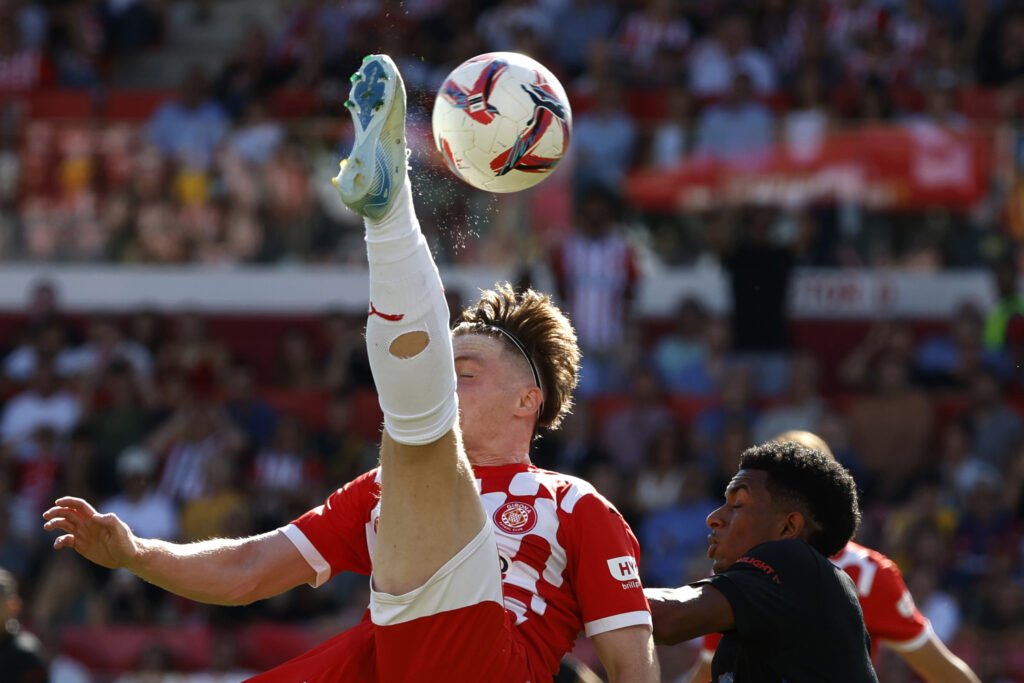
{"type": "Point", "coordinates": [367, 418]}
{"type": "Point", "coordinates": [604, 406]}
{"type": "Point", "coordinates": [978, 103]}
{"type": "Point", "coordinates": [114, 649]}
{"type": "Point", "coordinates": [308, 405]}
{"type": "Point", "coordinates": [777, 101]}
{"type": "Point", "coordinates": [134, 104]}
{"type": "Point", "coordinates": [686, 408]}
{"type": "Point", "coordinates": [908, 99]}
{"type": "Point", "coordinates": [647, 106]}
{"type": "Point", "coordinates": [265, 645]}
{"type": "Point", "coordinates": [581, 102]}
{"type": "Point", "coordinates": [949, 408]}
{"type": "Point", "coordinates": [290, 103]}
{"type": "Point", "coordinates": [59, 104]}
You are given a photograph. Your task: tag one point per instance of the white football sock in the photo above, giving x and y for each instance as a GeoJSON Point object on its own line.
{"type": "Point", "coordinates": [417, 394]}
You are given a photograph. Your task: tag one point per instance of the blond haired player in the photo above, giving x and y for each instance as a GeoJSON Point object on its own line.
{"type": "Point", "coordinates": [484, 567]}
{"type": "Point", "coordinates": [890, 615]}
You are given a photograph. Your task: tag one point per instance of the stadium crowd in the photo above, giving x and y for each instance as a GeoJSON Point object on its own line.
{"type": "Point", "coordinates": [169, 424]}
{"type": "Point", "coordinates": [226, 164]}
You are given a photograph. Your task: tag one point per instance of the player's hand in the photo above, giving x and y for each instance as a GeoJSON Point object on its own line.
{"type": "Point", "coordinates": [100, 538]}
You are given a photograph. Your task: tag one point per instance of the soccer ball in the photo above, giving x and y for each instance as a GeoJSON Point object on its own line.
{"type": "Point", "coordinates": [502, 122]}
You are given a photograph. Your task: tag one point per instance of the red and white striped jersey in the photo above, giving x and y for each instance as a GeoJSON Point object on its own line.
{"type": "Point", "coordinates": [568, 559]}
{"type": "Point", "coordinates": [890, 615]}
{"type": "Point", "coordinates": [598, 277]}
{"type": "Point", "coordinates": [849, 26]}
{"type": "Point", "coordinates": [643, 36]}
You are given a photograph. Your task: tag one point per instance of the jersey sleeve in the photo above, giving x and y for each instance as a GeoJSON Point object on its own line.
{"type": "Point", "coordinates": [890, 614]}
{"type": "Point", "coordinates": [603, 567]}
{"type": "Point", "coordinates": [332, 537]}
{"type": "Point", "coordinates": [764, 589]}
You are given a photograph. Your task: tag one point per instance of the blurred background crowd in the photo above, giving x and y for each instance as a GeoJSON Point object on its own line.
{"type": "Point", "coordinates": [206, 131]}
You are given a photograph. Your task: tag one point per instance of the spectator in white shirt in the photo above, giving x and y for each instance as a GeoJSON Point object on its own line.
{"type": "Point", "coordinates": [604, 139]}
{"type": "Point", "coordinates": [806, 124]}
{"type": "Point", "coordinates": [146, 511]}
{"type": "Point", "coordinates": [672, 137]}
{"type": "Point", "coordinates": [46, 338]}
{"type": "Point", "coordinates": [716, 61]}
{"type": "Point", "coordinates": [655, 27]}
{"type": "Point", "coordinates": [44, 404]}
{"type": "Point", "coordinates": [105, 345]}
{"type": "Point", "coordinates": [739, 130]}
{"type": "Point", "coordinates": [189, 128]}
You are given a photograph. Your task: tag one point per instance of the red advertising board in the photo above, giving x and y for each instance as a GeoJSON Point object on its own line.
{"type": "Point", "coordinates": [913, 166]}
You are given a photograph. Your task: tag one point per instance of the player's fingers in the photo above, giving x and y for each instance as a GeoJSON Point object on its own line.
{"type": "Point", "coordinates": [61, 523]}
{"type": "Point", "coordinates": [65, 541]}
{"type": "Point", "coordinates": [80, 506]}
{"type": "Point", "coordinates": [65, 512]}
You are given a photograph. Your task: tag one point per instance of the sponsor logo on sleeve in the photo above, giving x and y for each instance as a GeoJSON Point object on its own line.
{"type": "Point", "coordinates": [624, 569]}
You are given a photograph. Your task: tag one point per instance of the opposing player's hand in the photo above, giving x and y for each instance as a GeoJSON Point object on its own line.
{"type": "Point", "coordinates": [101, 538]}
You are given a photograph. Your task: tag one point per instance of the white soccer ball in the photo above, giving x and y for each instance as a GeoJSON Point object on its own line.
{"type": "Point", "coordinates": [502, 122]}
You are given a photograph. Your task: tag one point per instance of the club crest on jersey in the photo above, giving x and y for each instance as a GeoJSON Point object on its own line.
{"type": "Point", "coordinates": [515, 517]}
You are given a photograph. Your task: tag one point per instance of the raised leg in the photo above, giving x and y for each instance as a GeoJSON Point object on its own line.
{"type": "Point", "coordinates": [430, 509]}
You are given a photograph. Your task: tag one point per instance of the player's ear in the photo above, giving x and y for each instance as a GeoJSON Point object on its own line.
{"type": "Point", "coordinates": [793, 525]}
{"type": "Point", "coordinates": [529, 400]}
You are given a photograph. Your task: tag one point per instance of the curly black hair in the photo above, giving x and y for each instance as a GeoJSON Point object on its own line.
{"type": "Point", "coordinates": [817, 485]}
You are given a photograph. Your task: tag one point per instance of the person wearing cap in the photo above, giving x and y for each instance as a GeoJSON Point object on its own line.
{"type": "Point", "coordinates": [145, 510]}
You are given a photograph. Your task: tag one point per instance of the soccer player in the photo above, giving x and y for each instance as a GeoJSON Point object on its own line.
{"type": "Point", "coordinates": [22, 659]}
{"type": "Point", "coordinates": [786, 612]}
{"type": "Point", "coordinates": [484, 567]}
{"type": "Point", "coordinates": [890, 615]}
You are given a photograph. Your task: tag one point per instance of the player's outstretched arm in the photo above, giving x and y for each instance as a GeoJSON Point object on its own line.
{"type": "Point", "coordinates": [936, 664]}
{"type": "Point", "coordinates": [218, 571]}
{"type": "Point", "coordinates": [683, 613]}
{"type": "Point", "coordinates": [628, 655]}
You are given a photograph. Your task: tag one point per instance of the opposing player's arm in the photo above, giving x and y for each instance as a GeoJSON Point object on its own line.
{"type": "Point", "coordinates": [936, 664]}
{"type": "Point", "coordinates": [628, 655]}
{"type": "Point", "coordinates": [687, 612]}
{"type": "Point", "coordinates": [219, 571]}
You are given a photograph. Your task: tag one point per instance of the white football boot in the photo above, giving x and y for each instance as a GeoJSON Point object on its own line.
{"type": "Point", "coordinates": [372, 175]}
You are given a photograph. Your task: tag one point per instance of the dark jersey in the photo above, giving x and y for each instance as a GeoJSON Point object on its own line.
{"type": "Point", "coordinates": [759, 276]}
{"type": "Point", "coordinates": [21, 658]}
{"type": "Point", "coordinates": [797, 620]}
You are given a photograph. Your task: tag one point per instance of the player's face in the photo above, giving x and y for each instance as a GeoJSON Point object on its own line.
{"type": "Point", "coordinates": [487, 395]}
{"type": "Point", "coordinates": [747, 518]}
